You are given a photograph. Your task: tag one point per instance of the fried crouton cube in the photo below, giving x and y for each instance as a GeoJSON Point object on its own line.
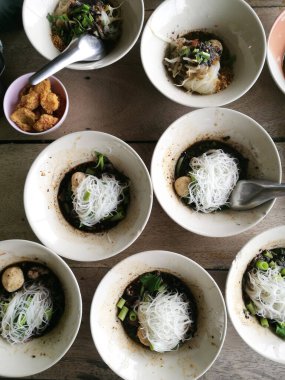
{"type": "Point", "coordinates": [50, 102]}
{"type": "Point", "coordinates": [24, 118]}
{"type": "Point", "coordinates": [45, 122]}
{"type": "Point", "coordinates": [43, 88]}
{"type": "Point", "coordinates": [30, 101]}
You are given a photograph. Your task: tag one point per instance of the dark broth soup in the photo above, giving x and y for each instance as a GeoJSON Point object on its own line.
{"type": "Point", "coordinates": [196, 42]}
{"type": "Point", "coordinates": [150, 283]}
{"type": "Point", "coordinates": [35, 275]}
{"type": "Point", "coordinates": [182, 167]}
{"type": "Point", "coordinates": [266, 261]}
{"type": "Point", "coordinates": [65, 196]}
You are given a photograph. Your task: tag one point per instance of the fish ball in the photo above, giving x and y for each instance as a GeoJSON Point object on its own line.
{"type": "Point", "coordinates": [12, 279]}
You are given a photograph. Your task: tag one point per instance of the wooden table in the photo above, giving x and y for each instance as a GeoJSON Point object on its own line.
{"type": "Point", "coordinates": [136, 112]}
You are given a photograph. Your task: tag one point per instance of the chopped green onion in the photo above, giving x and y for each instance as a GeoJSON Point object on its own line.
{"type": "Point", "coordinates": [48, 314]}
{"type": "Point", "coordinates": [116, 217]}
{"type": "Point", "coordinates": [184, 51]}
{"type": "Point", "coordinates": [142, 291]}
{"type": "Point", "coordinates": [21, 320]}
{"type": "Point", "coordinates": [263, 265]}
{"type": "Point", "coordinates": [162, 288]}
{"type": "Point", "coordinates": [178, 166]}
{"type": "Point", "coordinates": [251, 308]}
{"type": "Point", "coordinates": [100, 162]}
{"type": "Point", "coordinates": [133, 316]}
{"type": "Point", "coordinates": [268, 254]}
{"type": "Point", "coordinates": [264, 322]}
{"type": "Point", "coordinates": [205, 55]}
{"type": "Point", "coordinates": [86, 196]}
{"type": "Point", "coordinates": [121, 303]}
{"type": "Point", "coordinates": [282, 272]}
{"type": "Point", "coordinates": [280, 331]}
{"type": "Point", "coordinates": [123, 313]}
{"type": "Point", "coordinates": [272, 264]}
{"type": "Point", "coordinates": [86, 7]}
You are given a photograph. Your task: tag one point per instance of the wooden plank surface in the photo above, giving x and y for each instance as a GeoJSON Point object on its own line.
{"type": "Point", "coordinates": [236, 361]}
{"type": "Point", "coordinates": [216, 253]}
{"type": "Point", "coordinates": [124, 115]}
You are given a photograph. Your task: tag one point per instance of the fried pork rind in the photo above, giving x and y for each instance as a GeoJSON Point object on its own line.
{"type": "Point", "coordinates": [50, 102]}
{"type": "Point", "coordinates": [24, 118]}
{"type": "Point", "coordinates": [30, 101]}
{"type": "Point", "coordinates": [34, 112]}
{"type": "Point", "coordinates": [45, 122]}
{"type": "Point", "coordinates": [43, 88]}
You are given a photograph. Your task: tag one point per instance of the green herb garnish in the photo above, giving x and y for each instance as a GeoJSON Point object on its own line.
{"type": "Point", "coordinates": [100, 161]}
{"type": "Point", "coordinates": [151, 282]}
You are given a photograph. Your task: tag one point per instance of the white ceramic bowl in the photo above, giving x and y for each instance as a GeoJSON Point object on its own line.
{"type": "Point", "coordinates": [41, 188]}
{"type": "Point", "coordinates": [37, 29]}
{"type": "Point", "coordinates": [260, 339]}
{"type": "Point", "coordinates": [276, 51]}
{"type": "Point", "coordinates": [249, 138]}
{"type": "Point", "coordinates": [131, 361]}
{"type": "Point", "coordinates": [11, 100]}
{"type": "Point", "coordinates": [41, 353]}
{"type": "Point", "coordinates": [235, 22]}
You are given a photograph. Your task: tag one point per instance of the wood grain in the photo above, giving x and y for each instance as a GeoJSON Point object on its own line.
{"type": "Point", "coordinates": [236, 361]}
{"type": "Point", "coordinates": [120, 100]}
{"type": "Point", "coordinates": [160, 233]}
{"type": "Point", "coordinates": [124, 113]}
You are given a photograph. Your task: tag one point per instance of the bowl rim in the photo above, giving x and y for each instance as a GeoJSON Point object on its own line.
{"type": "Point", "coordinates": [203, 104]}
{"type": "Point", "coordinates": [163, 253]}
{"type": "Point", "coordinates": [72, 277]}
{"type": "Point", "coordinates": [74, 135]}
{"type": "Point", "coordinates": [241, 253]}
{"type": "Point", "coordinates": [185, 116]}
{"type": "Point", "coordinates": [56, 126]}
{"type": "Point", "coordinates": [281, 88]}
{"type": "Point", "coordinates": [88, 66]}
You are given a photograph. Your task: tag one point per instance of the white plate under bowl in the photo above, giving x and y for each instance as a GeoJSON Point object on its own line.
{"type": "Point", "coordinates": [37, 28]}
{"type": "Point", "coordinates": [243, 133]}
{"type": "Point", "coordinates": [132, 361]}
{"type": "Point", "coordinates": [41, 188]}
{"type": "Point", "coordinates": [41, 353]}
{"type": "Point", "coordinates": [234, 21]}
{"type": "Point", "coordinates": [260, 339]}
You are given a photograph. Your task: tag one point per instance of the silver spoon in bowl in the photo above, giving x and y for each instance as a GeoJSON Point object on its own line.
{"type": "Point", "coordinates": [252, 193]}
{"type": "Point", "coordinates": [84, 48]}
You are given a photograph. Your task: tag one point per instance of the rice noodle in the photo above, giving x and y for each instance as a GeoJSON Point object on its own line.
{"type": "Point", "coordinates": [164, 320]}
{"type": "Point", "coordinates": [203, 79]}
{"type": "Point", "coordinates": [215, 175]}
{"type": "Point", "coordinates": [267, 291]}
{"type": "Point", "coordinates": [26, 314]}
{"type": "Point", "coordinates": [104, 195]}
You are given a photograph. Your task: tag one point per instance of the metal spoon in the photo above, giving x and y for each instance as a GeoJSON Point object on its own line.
{"type": "Point", "coordinates": [84, 48]}
{"type": "Point", "coordinates": [252, 193]}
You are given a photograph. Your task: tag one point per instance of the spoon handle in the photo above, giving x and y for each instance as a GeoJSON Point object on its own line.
{"type": "Point", "coordinates": [64, 59]}
{"type": "Point", "coordinates": [273, 191]}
